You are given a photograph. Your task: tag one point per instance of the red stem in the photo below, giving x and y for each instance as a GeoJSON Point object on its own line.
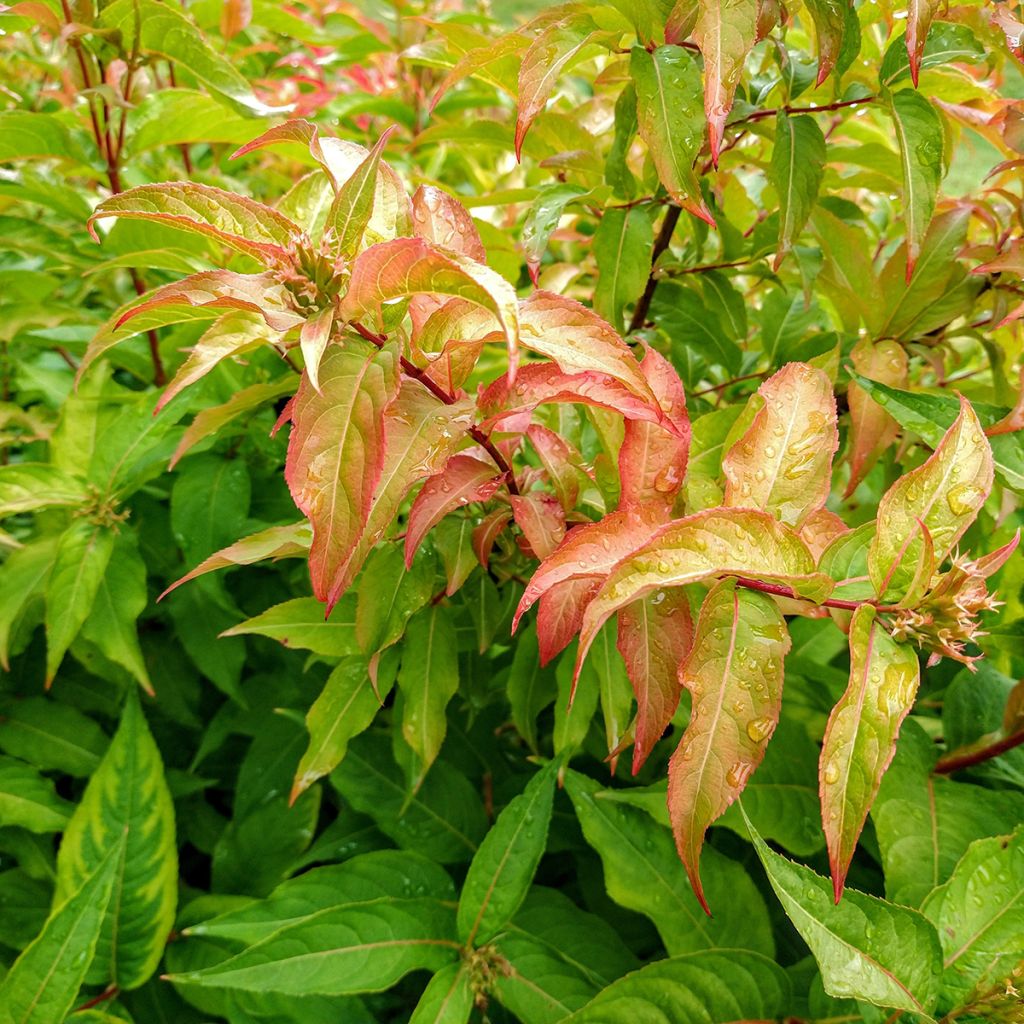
{"type": "Point", "coordinates": [778, 590]}
{"type": "Point", "coordinates": [411, 370]}
{"type": "Point", "coordinates": [759, 115]}
{"type": "Point", "coordinates": [108, 993]}
{"type": "Point", "coordinates": [967, 759]}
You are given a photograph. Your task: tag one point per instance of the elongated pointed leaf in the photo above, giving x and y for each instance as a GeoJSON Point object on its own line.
{"type": "Point", "coordinates": [671, 120]}
{"type": "Point", "coordinates": [860, 738]}
{"type": "Point", "coordinates": [503, 868]}
{"type": "Point", "coordinates": [979, 915]}
{"type": "Point", "coordinates": [944, 495]}
{"type": "Point", "coordinates": [126, 802]}
{"type": "Point", "coordinates": [919, 20]}
{"type": "Point", "coordinates": [652, 459]}
{"type": "Point", "coordinates": [410, 266]}
{"type": "Point", "coordinates": [622, 248]}
{"type": "Point", "coordinates": [829, 17]}
{"type": "Point", "coordinates": [725, 32]}
{"type": "Point", "coordinates": [865, 948]}
{"type": "Point", "coordinates": [655, 635]}
{"type": "Point", "coordinates": [241, 223]}
{"type": "Point", "coordinates": [919, 133]}
{"type": "Point", "coordinates": [447, 999]}
{"type": "Point", "coordinates": [560, 613]}
{"type": "Point", "coordinates": [336, 454]}
{"type": "Point", "coordinates": [542, 519]}
{"type": "Point", "coordinates": [314, 336]}
{"type": "Point", "coordinates": [42, 984]}
{"type": "Point", "coordinates": [352, 209]}
{"type": "Point", "coordinates": [442, 220]}
{"type": "Point", "coordinates": [734, 674]}
{"type": "Point", "coordinates": [28, 799]}
{"type": "Point", "coordinates": [83, 553]}
{"type": "Point", "coordinates": [549, 52]}
{"type": "Point", "coordinates": [26, 486]}
{"type": "Point", "coordinates": [796, 170]}
{"type": "Point", "coordinates": [718, 542]}
{"type": "Point", "coordinates": [783, 463]}
{"type": "Point", "coordinates": [463, 480]}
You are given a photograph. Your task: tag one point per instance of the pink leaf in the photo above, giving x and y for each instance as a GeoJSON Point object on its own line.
{"type": "Point", "coordinates": [442, 220]}
{"type": "Point", "coordinates": [560, 613]}
{"type": "Point", "coordinates": [487, 532]}
{"type": "Point", "coordinates": [562, 463]}
{"type": "Point", "coordinates": [313, 338]}
{"type": "Point", "coordinates": [919, 20]}
{"type": "Point", "coordinates": [541, 518]}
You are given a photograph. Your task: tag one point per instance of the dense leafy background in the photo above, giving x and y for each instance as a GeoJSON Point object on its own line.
{"type": "Point", "coordinates": [223, 807]}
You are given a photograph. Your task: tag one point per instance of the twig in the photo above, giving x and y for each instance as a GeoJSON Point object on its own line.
{"type": "Point", "coordinates": [959, 759]}
{"type": "Point", "coordinates": [668, 227]}
{"type": "Point", "coordinates": [108, 993]}
{"type": "Point", "coordinates": [759, 115]}
{"type": "Point", "coordinates": [778, 590]}
{"type": "Point", "coordinates": [729, 383]}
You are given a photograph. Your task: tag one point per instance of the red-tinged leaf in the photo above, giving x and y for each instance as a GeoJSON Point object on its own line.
{"type": "Point", "coordinates": [542, 519]}
{"type": "Point", "coordinates": [725, 31]}
{"type": "Point", "coordinates": [943, 495]}
{"type": "Point", "coordinates": [860, 738]}
{"type": "Point", "coordinates": [562, 463]}
{"type": "Point", "coordinates": [783, 463]}
{"type": "Point", "coordinates": [352, 208]}
{"type": "Point", "coordinates": [298, 131]}
{"type": "Point", "coordinates": [769, 14]}
{"type": "Point", "coordinates": [734, 674]}
{"type": "Point", "coordinates": [1014, 419]}
{"type": "Point", "coordinates": [443, 221]}
{"type": "Point", "coordinates": [919, 20]}
{"type": "Point", "coordinates": [477, 61]}
{"type": "Point", "coordinates": [681, 21]}
{"type": "Point", "coordinates": [199, 297]}
{"type": "Point", "coordinates": [590, 551]}
{"type": "Point", "coordinates": [652, 459]}
{"type": "Point", "coordinates": [232, 335]}
{"type": "Point", "coordinates": [313, 338]}
{"type": "Point", "coordinates": [819, 529]}
{"type": "Point", "coordinates": [543, 62]}
{"type": "Point", "coordinates": [670, 118]}
{"type": "Point", "coordinates": [579, 341]}
{"type": "Point", "coordinates": [872, 429]}
{"type": "Point", "coordinates": [544, 383]}
{"type": "Point", "coordinates": [235, 17]}
{"type": "Point", "coordinates": [451, 368]}
{"type": "Point", "coordinates": [421, 433]}
{"type": "Point", "coordinates": [410, 266]}
{"type": "Point", "coordinates": [463, 480]}
{"type": "Point", "coordinates": [829, 17]}
{"type": "Point", "coordinates": [560, 614]}
{"type": "Point", "coordinates": [655, 634]}
{"type": "Point", "coordinates": [237, 221]}
{"type": "Point", "coordinates": [487, 532]}
{"type": "Point", "coordinates": [717, 542]}
{"type": "Point", "coordinates": [456, 320]}
{"type": "Point", "coordinates": [210, 420]}
{"type": "Point", "coordinates": [291, 541]}
{"type": "Point", "coordinates": [336, 454]}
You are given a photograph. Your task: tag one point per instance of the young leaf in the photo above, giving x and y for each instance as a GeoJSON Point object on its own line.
{"type": "Point", "coordinates": [447, 999]}
{"type": "Point", "coordinates": [919, 20]}
{"type": "Point", "coordinates": [860, 738]}
{"type": "Point", "coordinates": [671, 121]}
{"type": "Point", "coordinates": [241, 223]}
{"type": "Point", "coordinates": [783, 463]}
{"type": "Point", "coordinates": [652, 459]}
{"type": "Point", "coordinates": [943, 496]}
{"type": "Point", "coordinates": [709, 986]}
{"type": "Point", "coordinates": [796, 170]}
{"type": "Point", "coordinates": [734, 673]}
{"type": "Point", "coordinates": [314, 336]}
{"type": "Point", "coordinates": [866, 948]}
{"type": "Point", "coordinates": [726, 33]}
{"type": "Point", "coordinates": [429, 678]}
{"type": "Point", "coordinates": [126, 806]}
{"type": "Point", "coordinates": [42, 984]}
{"type": "Point", "coordinates": [919, 133]}
{"type": "Point", "coordinates": [829, 17]}
{"type": "Point", "coordinates": [83, 552]}
{"type": "Point", "coordinates": [503, 868]}
{"type": "Point", "coordinates": [655, 635]}
{"type": "Point", "coordinates": [352, 208]}
{"type": "Point", "coordinates": [336, 453]}
{"type": "Point", "coordinates": [442, 220]}
{"type": "Point", "coordinates": [979, 915]}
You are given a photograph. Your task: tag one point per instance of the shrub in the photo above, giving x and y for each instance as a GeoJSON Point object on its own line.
{"type": "Point", "coordinates": [492, 489]}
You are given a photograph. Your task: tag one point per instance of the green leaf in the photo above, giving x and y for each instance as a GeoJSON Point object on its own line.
{"type": "Point", "coordinates": [796, 171]}
{"type": "Point", "coordinates": [706, 986]}
{"type": "Point", "coordinates": [83, 553]}
{"type": "Point", "coordinates": [946, 44]}
{"type": "Point", "coordinates": [530, 688]}
{"type": "Point", "coordinates": [866, 948]}
{"type": "Point", "coordinates": [919, 133]}
{"type": "Point", "coordinates": [390, 593]}
{"type": "Point", "coordinates": [447, 999]}
{"type": "Point", "coordinates": [23, 576]}
{"type": "Point", "coordinates": [353, 206]}
{"type": "Point", "coordinates": [42, 985]}
{"type": "Point", "coordinates": [622, 247]}
{"type": "Point", "coordinates": [503, 868]}
{"type": "Point", "coordinates": [341, 951]}
{"type": "Point", "coordinates": [734, 673]}
{"type": "Point", "coordinates": [684, 317]}
{"type": "Point", "coordinates": [541, 220]}
{"type": "Point", "coordinates": [300, 623]}
{"type": "Point", "coordinates": [175, 117]}
{"type": "Point", "coordinates": [429, 678]}
{"type": "Point", "coordinates": [51, 735]}
{"type": "Point", "coordinates": [444, 819]}
{"type": "Point", "coordinates": [671, 120]}
{"type": "Point", "coordinates": [642, 872]}
{"type": "Point", "coordinates": [27, 135]}
{"type": "Point", "coordinates": [27, 486]}
{"type": "Point", "coordinates": [860, 738]}
{"type": "Point", "coordinates": [29, 800]}
{"type": "Point", "coordinates": [347, 706]}
{"type": "Point", "coordinates": [979, 915]}
{"type": "Point", "coordinates": [126, 802]}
